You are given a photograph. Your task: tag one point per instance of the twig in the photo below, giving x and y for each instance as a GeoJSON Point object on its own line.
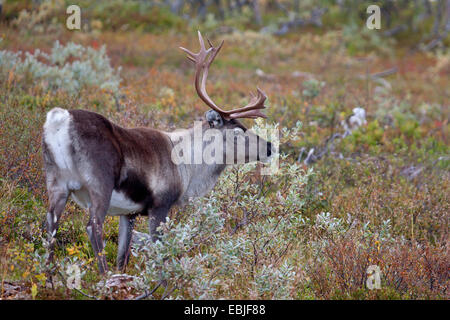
{"type": "Point", "coordinates": [148, 293]}
{"type": "Point", "coordinates": [116, 101]}
{"type": "Point", "coordinates": [169, 293]}
{"type": "Point", "coordinates": [384, 73]}
{"type": "Point", "coordinates": [77, 290]}
{"type": "Point", "coordinates": [314, 156]}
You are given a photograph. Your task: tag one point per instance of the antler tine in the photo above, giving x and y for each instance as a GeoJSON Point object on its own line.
{"type": "Point", "coordinates": [200, 39]}
{"type": "Point", "coordinates": [215, 51]}
{"type": "Point", "coordinates": [252, 114]}
{"type": "Point", "coordinates": [203, 60]}
{"type": "Point", "coordinates": [251, 110]}
{"type": "Point", "coordinates": [190, 54]}
{"type": "Point", "coordinates": [203, 52]}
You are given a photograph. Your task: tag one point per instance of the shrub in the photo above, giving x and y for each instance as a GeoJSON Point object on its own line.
{"type": "Point", "coordinates": [68, 67]}
{"type": "Point", "coordinates": [216, 245]}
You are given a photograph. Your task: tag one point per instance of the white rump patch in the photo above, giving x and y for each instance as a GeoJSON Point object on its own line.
{"type": "Point", "coordinates": [56, 135]}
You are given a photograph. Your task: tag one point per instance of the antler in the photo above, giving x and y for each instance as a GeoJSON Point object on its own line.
{"type": "Point", "coordinates": [203, 60]}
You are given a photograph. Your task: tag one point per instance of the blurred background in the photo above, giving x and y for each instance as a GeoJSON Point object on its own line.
{"type": "Point", "coordinates": [364, 122]}
{"type": "Point", "coordinates": [426, 19]}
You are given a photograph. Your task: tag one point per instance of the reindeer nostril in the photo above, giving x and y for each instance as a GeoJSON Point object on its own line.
{"type": "Point", "coordinates": [269, 149]}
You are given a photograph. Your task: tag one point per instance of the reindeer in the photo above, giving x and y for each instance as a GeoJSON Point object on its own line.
{"type": "Point", "coordinates": [111, 170]}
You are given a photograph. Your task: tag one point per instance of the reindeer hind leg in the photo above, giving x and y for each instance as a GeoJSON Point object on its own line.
{"type": "Point", "coordinates": [57, 202]}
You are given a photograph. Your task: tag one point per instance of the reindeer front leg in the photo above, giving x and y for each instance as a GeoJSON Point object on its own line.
{"type": "Point", "coordinates": [126, 224]}
{"type": "Point", "coordinates": [155, 217]}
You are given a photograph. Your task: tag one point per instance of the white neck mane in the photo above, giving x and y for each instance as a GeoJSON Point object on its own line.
{"type": "Point", "coordinates": [197, 179]}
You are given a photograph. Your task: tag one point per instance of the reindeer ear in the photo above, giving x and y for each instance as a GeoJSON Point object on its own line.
{"type": "Point", "coordinates": [214, 119]}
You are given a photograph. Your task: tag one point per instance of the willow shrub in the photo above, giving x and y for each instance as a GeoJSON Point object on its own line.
{"type": "Point", "coordinates": [236, 243]}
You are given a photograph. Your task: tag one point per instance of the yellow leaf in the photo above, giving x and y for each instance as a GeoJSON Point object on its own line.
{"type": "Point", "coordinates": [41, 277]}
{"type": "Point", "coordinates": [33, 290]}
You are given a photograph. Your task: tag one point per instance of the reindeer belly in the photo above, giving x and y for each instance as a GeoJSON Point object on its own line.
{"type": "Point", "coordinates": [120, 204]}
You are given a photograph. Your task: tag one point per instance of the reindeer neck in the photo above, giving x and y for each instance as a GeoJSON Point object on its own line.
{"type": "Point", "coordinates": [197, 179]}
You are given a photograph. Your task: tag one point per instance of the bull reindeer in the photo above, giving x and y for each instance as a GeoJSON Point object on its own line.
{"type": "Point", "coordinates": [111, 170]}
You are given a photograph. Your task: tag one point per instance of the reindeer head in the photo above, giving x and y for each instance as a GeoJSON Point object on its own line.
{"type": "Point", "coordinates": [238, 141]}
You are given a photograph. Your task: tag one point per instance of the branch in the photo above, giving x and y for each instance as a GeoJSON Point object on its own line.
{"type": "Point", "coordinates": [380, 74]}
{"type": "Point", "coordinates": [148, 293]}
{"type": "Point", "coordinates": [77, 290]}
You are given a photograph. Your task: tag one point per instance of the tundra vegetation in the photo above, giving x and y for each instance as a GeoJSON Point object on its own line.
{"type": "Point", "coordinates": [364, 150]}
